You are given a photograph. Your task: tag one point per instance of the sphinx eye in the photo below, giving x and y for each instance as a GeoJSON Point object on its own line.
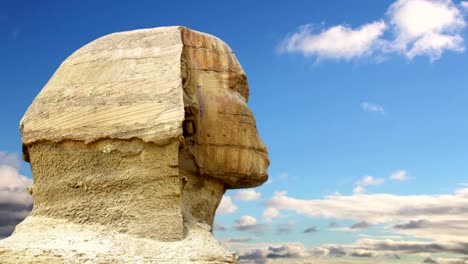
{"type": "Point", "coordinates": [189, 128]}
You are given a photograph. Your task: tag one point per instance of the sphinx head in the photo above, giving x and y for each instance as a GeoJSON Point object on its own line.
{"type": "Point", "coordinates": [143, 131]}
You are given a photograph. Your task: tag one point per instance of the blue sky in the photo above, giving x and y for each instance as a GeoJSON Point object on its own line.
{"type": "Point", "coordinates": [362, 105]}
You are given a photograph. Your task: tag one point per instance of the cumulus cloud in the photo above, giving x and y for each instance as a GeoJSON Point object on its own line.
{"type": "Point", "coordinates": [245, 222]}
{"type": "Point", "coordinates": [254, 255]}
{"type": "Point", "coordinates": [419, 27]}
{"type": "Point", "coordinates": [338, 254]}
{"type": "Point", "coordinates": [380, 251]}
{"type": "Point", "coordinates": [372, 107]}
{"type": "Point", "coordinates": [464, 4]}
{"type": "Point", "coordinates": [426, 27]}
{"type": "Point", "coordinates": [440, 218]}
{"type": "Point", "coordinates": [262, 254]}
{"type": "Point", "coordinates": [10, 159]}
{"type": "Point", "coordinates": [249, 223]}
{"type": "Point", "coordinates": [270, 213]}
{"type": "Point", "coordinates": [247, 195]}
{"type": "Point", "coordinates": [376, 247]}
{"type": "Point", "coordinates": [376, 208]}
{"type": "Point", "coordinates": [15, 201]}
{"type": "Point", "coordinates": [400, 175]}
{"type": "Point", "coordinates": [365, 182]}
{"type": "Point", "coordinates": [338, 42]}
{"type": "Point", "coordinates": [414, 247]}
{"type": "Point", "coordinates": [226, 206]}
{"type": "Point", "coordinates": [286, 251]}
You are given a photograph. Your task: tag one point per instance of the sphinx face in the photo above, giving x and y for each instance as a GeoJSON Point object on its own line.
{"type": "Point", "coordinates": [226, 142]}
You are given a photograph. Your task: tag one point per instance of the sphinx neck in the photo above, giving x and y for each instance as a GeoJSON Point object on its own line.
{"type": "Point", "coordinates": [130, 186]}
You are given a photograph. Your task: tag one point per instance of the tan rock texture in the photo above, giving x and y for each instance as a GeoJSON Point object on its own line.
{"type": "Point", "coordinates": [132, 143]}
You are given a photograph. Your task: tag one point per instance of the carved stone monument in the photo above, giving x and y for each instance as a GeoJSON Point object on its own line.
{"type": "Point", "coordinates": [132, 144]}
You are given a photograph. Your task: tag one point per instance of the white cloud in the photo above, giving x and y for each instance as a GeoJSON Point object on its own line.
{"type": "Point", "coordinates": [247, 195]}
{"type": "Point", "coordinates": [376, 247]}
{"type": "Point", "coordinates": [249, 224]}
{"type": "Point", "coordinates": [246, 223]}
{"type": "Point", "coordinates": [386, 250]}
{"type": "Point", "coordinates": [338, 42]}
{"type": "Point", "coordinates": [10, 159]}
{"type": "Point", "coordinates": [226, 206]}
{"type": "Point", "coordinates": [372, 107]}
{"type": "Point", "coordinates": [11, 180]}
{"type": "Point", "coordinates": [376, 208]}
{"type": "Point", "coordinates": [420, 27]}
{"type": "Point", "coordinates": [415, 18]}
{"type": "Point", "coordinates": [464, 4]}
{"type": "Point", "coordinates": [371, 181]}
{"type": "Point", "coordinates": [270, 213]}
{"type": "Point", "coordinates": [400, 175]}
{"type": "Point", "coordinates": [270, 252]}
{"type": "Point", "coordinates": [15, 201]}
{"type": "Point", "coordinates": [358, 189]}
{"type": "Point", "coordinates": [462, 192]}
{"type": "Point", "coordinates": [426, 27]}
{"type": "Point", "coordinates": [365, 182]}
{"type": "Point", "coordinates": [437, 217]}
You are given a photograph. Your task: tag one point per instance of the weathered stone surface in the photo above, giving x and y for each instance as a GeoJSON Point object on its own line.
{"type": "Point", "coordinates": [227, 145]}
{"type": "Point", "coordinates": [124, 85]}
{"type": "Point", "coordinates": [59, 241]}
{"type": "Point", "coordinates": [132, 143]}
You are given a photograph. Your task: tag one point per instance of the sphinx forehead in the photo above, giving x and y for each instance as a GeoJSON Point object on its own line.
{"type": "Point", "coordinates": [124, 85]}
